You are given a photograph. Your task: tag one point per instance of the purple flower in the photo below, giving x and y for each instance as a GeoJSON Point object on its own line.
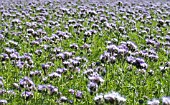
{"type": "Point", "coordinates": [131, 59]}
{"type": "Point", "coordinates": [63, 99]}
{"type": "Point", "coordinates": [9, 50]}
{"type": "Point", "coordinates": [1, 84]}
{"type": "Point", "coordinates": [27, 83]}
{"type": "Point", "coordinates": [71, 91]}
{"type": "Point", "coordinates": [3, 102]}
{"type": "Point", "coordinates": [112, 59]}
{"type": "Point", "coordinates": [52, 89]}
{"type": "Point", "coordinates": [92, 87]}
{"type": "Point", "coordinates": [35, 73]}
{"type": "Point", "coordinates": [2, 91]}
{"type": "Point", "coordinates": [140, 63]}
{"type": "Point", "coordinates": [61, 70]}
{"type": "Point", "coordinates": [99, 99]}
{"type": "Point", "coordinates": [42, 88]}
{"type": "Point", "coordinates": [1, 37]}
{"type": "Point", "coordinates": [166, 100]}
{"type": "Point", "coordinates": [114, 98]}
{"type": "Point", "coordinates": [20, 64]}
{"type": "Point", "coordinates": [38, 52]}
{"type": "Point", "coordinates": [4, 57]}
{"type": "Point", "coordinates": [79, 94]}
{"type": "Point", "coordinates": [66, 64]}
{"type": "Point", "coordinates": [96, 79]}
{"type": "Point", "coordinates": [14, 56]}
{"type": "Point", "coordinates": [167, 37]}
{"type": "Point", "coordinates": [16, 21]}
{"type": "Point", "coordinates": [45, 67]}
{"type": "Point", "coordinates": [74, 46]}
{"type": "Point", "coordinates": [153, 57]}
{"type": "Point", "coordinates": [61, 56]}
{"type": "Point", "coordinates": [27, 95]}
{"type": "Point", "coordinates": [139, 60]}
{"type": "Point", "coordinates": [131, 46]}
{"type": "Point", "coordinates": [112, 48]}
{"type": "Point", "coordinates": [54, 75]}
{"type": "Point", "coordinates": [30, 31]}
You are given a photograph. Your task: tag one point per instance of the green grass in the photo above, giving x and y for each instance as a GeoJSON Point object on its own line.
{"type": "Point", "coordinates": [133, 85]}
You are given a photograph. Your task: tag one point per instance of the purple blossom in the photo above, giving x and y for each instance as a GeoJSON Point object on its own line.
{"type": "Point", "coordinates": [35, 73]}
{"type": "Point", "coordinates": [27, 95]}
{"type": "Point", "coordinates": [165, 100]}
{"type": "Point", "coordinates": [3, 102]}
{"type": "Point", "coordinates": [79, 94]}
{"type": "Point", "coordinates": [42, 88]}
{"type": "Point", "coordinates": [45, 67]}
{"type": "Point", "coordinates": [96, 79]}
{"type": "Point", "coordinates": [92, 87]}
{"type": "Point", "coordinates": [71, 91]}
{"type": "Point", "coordinates": [131, 59]}
{"type": "Point", "coordinates": [167, 37]}
{"type": "Point", "coordinates": [112, 48]}
{"type": "Point", "coordinates": [27, 83]}
{"type": "Point", "coordinates": [54, 75]}
{"type": "Point", "coordinates": [63, 99]}
{"type": "Point", "coordinates": [1, 37]}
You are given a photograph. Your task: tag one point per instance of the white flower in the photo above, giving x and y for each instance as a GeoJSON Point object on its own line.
{"type": "Point", "coordinates": [153, 102]}
{"type": "Point", "coordinates": [166, 100]}
{"type": "Point", "coordinates": [99, 99]}
{"type": "Point", "coordinates": [114, 98]}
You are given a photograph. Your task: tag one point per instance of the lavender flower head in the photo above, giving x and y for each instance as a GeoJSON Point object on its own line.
{"type": "Point", "coordinates": [27, 95]}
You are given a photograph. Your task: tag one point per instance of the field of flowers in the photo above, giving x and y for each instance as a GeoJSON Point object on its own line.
{"type": "Point", "coordinates": [84, 53]}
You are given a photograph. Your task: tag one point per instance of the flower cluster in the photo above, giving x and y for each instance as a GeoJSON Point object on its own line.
{"type": "Point", "coordinates": [111, 97]}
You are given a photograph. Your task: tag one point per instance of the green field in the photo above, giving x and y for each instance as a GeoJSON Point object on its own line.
{"type": "Point", "coordinates": [84, 53]}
